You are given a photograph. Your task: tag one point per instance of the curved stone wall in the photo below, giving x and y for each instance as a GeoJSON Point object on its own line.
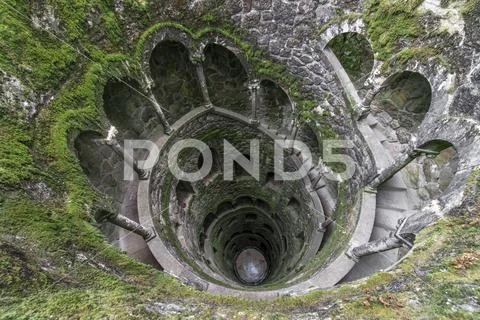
{"type": "Point", "coordinates": [264, 238]}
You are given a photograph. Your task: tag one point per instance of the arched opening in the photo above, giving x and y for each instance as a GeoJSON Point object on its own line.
{"type": "Point", "coordinates": [355, 54]}
{"type": "Point", "coordinates": [226, 79]}
{"type": "Point", "coordinates": [184, 190]}
{"type": "Point", "coordinates": [128, 110]}
{"type": "Point", "coordinates": [406, 97]}
{"type": "Point", "coordinates": [432, 173]}
{"type": "Point", "coordinates": [274, 107]}
{"type": "Point", "coordinates": [103, 168]}
{"type": "Point", "coordinates": [176, 84]}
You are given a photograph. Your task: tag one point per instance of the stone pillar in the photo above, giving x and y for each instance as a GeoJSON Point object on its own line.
{"type": "Point", "coordinates": [158, 110]}
{"type": "Point", "coordinates": [253, 87]}
{"type": "Point", "coordinates": [376, 246]}
{"type": "Point", "coordinates": [295, 129]}
{"type": "Point", "coordinates": [117, 148]}
{"type": "Point", "coordinates": [325, 224]}
{"type": "Point", "coordinates": [371, 94]}
{"type": "Point", "coordinates": [363, 109]}
{"type": "Point", "coordinates": [197, 59]}
{"type": "Point", "coordinates": [147, 86]}
{"type": "Point", "coordinates": [398, 165]}
{"type": "Point", "coordinates": [125, 223]}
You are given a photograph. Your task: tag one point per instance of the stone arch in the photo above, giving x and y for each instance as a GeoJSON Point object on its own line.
{"type": "Point", "coordinates": [356, 26]}
{"type": "Point", "coordinates": [128, 109]}
{"type": "Point", "coordinates": [431, 173]}
{"type": "Point", "coordinates": [406, 96]}
{"type": "Point", "coordinates": [274, 107]}
{"type": "Point", "coordinates": [440, 170]}
{"type": "Point", "coordinates": [436, 145]}
{"type": "Point", "coordinates": [176, 85]}
{"type": "Point", "coordinates": [219, 39]}
{"type": "Point", "coordinates": [355, 53]}
{"type": "Point", "coordinates": [439, 77]}
{"type": "Point", "coordinates": [164, 34]}
{"type": "Point", "coordinates": [227, 79]}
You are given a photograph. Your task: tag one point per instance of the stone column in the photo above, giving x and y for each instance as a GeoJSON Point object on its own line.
{"type": "Point", "coordinates": [158, 110]}
{"type": "Point", "coordinates": [325, 224]}
{"type": "Point", "coordinates": [294, 132]}
{"type": "Point", "coordinates": [125, 223]}
{"type": "Point", "coordinates": [147, 86]}
{"type": "Point", "coordinates": [197, 59]}
{"type": "Point", "coordinates": [253, 86]}
{"type": "Point", "coordinates": [376, 246]}
{"type": "Point", "coordinates": [398, 165]}
{"type": "Point", "coordinates": [117, 148]}
{"type": "Point", "coordinates": [363, 109]}
{"type": "Point", "coordinates": [371, 94]}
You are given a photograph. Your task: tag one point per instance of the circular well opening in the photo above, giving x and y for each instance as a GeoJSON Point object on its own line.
{"type": "Point", "coordinates": [251, 266]}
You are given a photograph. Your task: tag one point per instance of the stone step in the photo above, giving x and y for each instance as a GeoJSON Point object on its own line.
{"type": "Point", "coordinates": [380, 136]}
{"type": "Point", "coordinates": [393, 188]}
{"type": "Point", "coordinates": [380, 232]}
{"type": "Point", "coordinates": [371, 121]}
{"type": "Point", "coordinates": [388, 218]}
{"type": "Point", "coordinates": [394, 182]}
{"type": "Point", "coordinates": [382, 157]}
{"type": "Point", "coordinates": [390, 206]}
{"type": "Point", "coordinates": [389, 199]}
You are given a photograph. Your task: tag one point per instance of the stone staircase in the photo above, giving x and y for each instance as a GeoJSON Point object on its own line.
{"type": "Point", "coordinates": [395, 201]}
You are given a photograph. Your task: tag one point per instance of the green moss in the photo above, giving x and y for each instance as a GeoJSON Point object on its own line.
{"type": "Point", "coordinates": [58, 237]}
{"type": "Point", "coordinates": [75, 17]}
{"type": "Point", "coordinates": [421, 54]}
{"type": "Point", "coordinates": [41, 275]}
{"type": "Point", "coordinates": [16, 163]}
{"type": "Point", "coordinates": [29, 54]}
{"type": "Point", "coordinates": [18, 271]}
{"type": "Point", "coordinates": [390, 22]}
{"type": "Point", "coordinates": [113, 29]}
{"type": "Point", "coordinates": [470, 7]}
{"type": "Point", "coordinates": [76, 109]}
{"type": "Point", "coordinates": [209, 18]}
{"type": "Point", "coordinates": [354, 53]}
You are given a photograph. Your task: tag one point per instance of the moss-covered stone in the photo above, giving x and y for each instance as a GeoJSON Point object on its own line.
{"type": "Point", "coordinates": [421, 54]}
{"type": "Point", "coordinates": [390, 22]}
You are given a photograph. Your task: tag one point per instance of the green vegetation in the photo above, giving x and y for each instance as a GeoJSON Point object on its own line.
{"type": "Point", "coordinates": [354, 53]}
{"type": "Point", "coordinates": [49, 269]}
{"type": "Point", "coordinates": [16, 163]}
{"type": "Point", "coordinates": [40, 62]}
{"type": "Point", "coordinates": [97, 15]}
{"type": "Point", "coordinates": [422, 54]}
{"type": "Point", "coordinates": [388, 22]}
{"type": "Point", "coordinates": [470, 7]}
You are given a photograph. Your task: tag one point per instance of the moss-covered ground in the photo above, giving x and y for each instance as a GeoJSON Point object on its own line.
{"type": "Point", "coordinates": [52, 265]}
